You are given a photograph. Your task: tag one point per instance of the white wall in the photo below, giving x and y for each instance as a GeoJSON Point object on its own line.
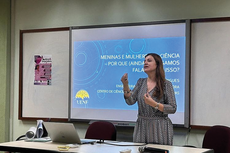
{"type": "Point", "coordinates": [37, 14]}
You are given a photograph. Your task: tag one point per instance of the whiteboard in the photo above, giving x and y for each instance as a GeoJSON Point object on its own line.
{"type": "Point", "coordinates": [45, 101]}
{"type": "Point", "coordinates": [210, 73]}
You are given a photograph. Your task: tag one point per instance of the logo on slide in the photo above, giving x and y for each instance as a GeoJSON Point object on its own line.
{"type": "Point", "coordinates": [82, 94]}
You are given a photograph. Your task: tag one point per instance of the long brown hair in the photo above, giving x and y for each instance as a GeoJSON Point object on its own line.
{"type": "Point", "coordinates": [160, 76]}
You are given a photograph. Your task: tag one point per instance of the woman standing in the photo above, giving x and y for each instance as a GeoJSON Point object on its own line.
{"type": "Point", "coordinates": [156, 99]}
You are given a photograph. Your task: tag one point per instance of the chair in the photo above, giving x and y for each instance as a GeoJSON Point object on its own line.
{"type": "Point", "coordinates": [218, 139]}
{"type": "Point", "coordinates": [101, 130]}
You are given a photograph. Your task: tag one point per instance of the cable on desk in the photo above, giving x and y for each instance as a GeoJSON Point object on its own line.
{"type": "Point", "coordinates": [20, 137]}
{"type": "Point", "coordinates": [115, 144]}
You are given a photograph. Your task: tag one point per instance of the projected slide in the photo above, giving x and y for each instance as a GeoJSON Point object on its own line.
{"type": "Point", "coordinates": [100, 56]}
{"type": "Point", "coordinates": [99, 65]}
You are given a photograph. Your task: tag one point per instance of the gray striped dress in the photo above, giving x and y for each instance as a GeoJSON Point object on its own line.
{"type": "Point", "coordinates": [153, 126]}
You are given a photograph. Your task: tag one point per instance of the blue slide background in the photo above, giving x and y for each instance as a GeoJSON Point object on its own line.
{"type": "Point", "coordinates": [99, 65]}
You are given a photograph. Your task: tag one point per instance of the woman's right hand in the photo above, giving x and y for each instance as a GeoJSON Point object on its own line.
{"type": "Point", "coordinates": [124, 79]}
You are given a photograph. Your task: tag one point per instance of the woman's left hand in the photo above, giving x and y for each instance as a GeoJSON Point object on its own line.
{"type": "Point", "coordinates": [148, 99]}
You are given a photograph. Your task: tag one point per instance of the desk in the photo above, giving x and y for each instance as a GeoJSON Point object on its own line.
{"type": "Point", "coordinates": [22, 146]}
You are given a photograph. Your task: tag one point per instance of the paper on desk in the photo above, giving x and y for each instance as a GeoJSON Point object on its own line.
{"type": "Point", "coordinates": [45, 139]}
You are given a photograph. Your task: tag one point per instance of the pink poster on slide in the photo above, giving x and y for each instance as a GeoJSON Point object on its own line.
{"type": "Point", "coordinates": [43, 68]}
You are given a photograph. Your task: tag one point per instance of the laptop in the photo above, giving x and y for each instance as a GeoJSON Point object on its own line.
{"type": "Point", "coordinates": [64, 133]}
